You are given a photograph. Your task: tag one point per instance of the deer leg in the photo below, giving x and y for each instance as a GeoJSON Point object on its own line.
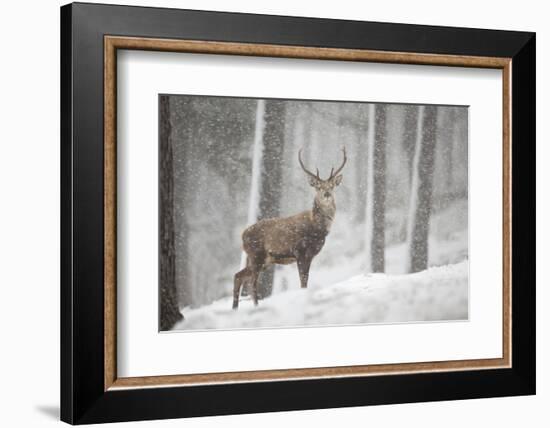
{"type": "Point", "coordinates": [303, 269]}
{"type": "Point", "coordinates": [237, 284]}
{"type": "Point", "coordinates": [254, 285]}
{"type": "Point", "coordinates": [256, 263]}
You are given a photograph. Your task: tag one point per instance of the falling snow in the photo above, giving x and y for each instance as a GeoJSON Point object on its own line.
{"type": "Point", "coordinates": [235, 161]}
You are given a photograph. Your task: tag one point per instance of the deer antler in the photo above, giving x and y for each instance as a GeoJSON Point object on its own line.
{"type": "Point", "coordinates": [305, 169]}
{"type": "Point", "coordinates": [334, 174]}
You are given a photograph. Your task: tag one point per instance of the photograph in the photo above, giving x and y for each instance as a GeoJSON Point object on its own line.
{"type": "Point", "coordinates": [293, 213]}
{"type": "Point", "coordinates": [277, 210]}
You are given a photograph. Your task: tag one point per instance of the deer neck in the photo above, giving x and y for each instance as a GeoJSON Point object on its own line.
{"type": "Point", "coordinates": [322, 215]}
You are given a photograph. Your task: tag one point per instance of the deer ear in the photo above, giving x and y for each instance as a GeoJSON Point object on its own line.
{"type": "Point", "coordinates": [338, 180]}
{"type": "Point", "coordinates": [313, 182]}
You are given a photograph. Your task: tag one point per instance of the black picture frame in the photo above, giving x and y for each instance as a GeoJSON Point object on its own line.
{"type": "Point", "coordinates": [83, 396]}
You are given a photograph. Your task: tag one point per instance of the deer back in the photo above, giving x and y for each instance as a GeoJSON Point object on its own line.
{"type": "Point", "coordinates": [284, 237]}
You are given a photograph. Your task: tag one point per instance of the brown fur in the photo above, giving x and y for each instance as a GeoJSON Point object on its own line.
{"type": "Point", "coordinates": [298, 238]}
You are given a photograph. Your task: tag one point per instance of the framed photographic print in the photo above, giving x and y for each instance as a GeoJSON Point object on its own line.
{"type": "Point", "coordinates": [276, 213]}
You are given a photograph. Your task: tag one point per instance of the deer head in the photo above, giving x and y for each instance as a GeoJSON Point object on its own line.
{"type": "Point", "coordinates": [324, 189]}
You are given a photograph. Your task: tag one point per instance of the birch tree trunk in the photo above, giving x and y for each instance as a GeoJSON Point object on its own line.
{"type": "Point", "coordinates": [169, 308]}
{"type": "Point", "coordinates": [410, 136]}
{"type": "Point", "coordinates": [376, 188]}
{"type": "Point", "coordinates": [257, 156]}
{"type": "Point", "coordinates": [421, 190]}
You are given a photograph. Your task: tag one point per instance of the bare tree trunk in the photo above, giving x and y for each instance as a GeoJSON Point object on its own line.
{"type": "Point", "coordinates": [271, 176]}
{"type": "Point", "coordinates": [450, 132]}
{"type": "Point", "coordinates": [168, 299]}
{"type": "Point", "coordinates": [255, 183]}
{"type": "Point", "coordinates": [184, 136]}
{"type": "Point", "coordinates": [361, 163]}
{"type": "Point", "coordinates": [256, 179]}
{"type": "Point", "coordinates": [376, 185]}
{"type": "Point", "coordinates": [421, 191]}
{"type": "Point", "coordinates": [410, 136]}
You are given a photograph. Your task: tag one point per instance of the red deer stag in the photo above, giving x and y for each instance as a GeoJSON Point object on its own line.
{"type": "Point", "coordinates": [291, 239]}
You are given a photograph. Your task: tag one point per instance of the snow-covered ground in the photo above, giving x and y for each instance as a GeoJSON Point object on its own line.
{"type": "Point", "coordinates": [436, 294]}
{"type": "Point", "coordinates": [339, 293]}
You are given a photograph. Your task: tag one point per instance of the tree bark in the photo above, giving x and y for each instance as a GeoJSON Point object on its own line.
{"type": "Point", "coordinates": [421, 191]}
{"type": "Point", "coordinates": [449, 141]}
{"type": "Point", "coordinates": [169, 308]}
{"type": "Point", "coordinates": [410, 136]}
{"type": "Point", "coordinates": [376, 194]}
{"type": "Point", "coordinates": [361, 165]}
{"type": "Point", "coordinates": [408, 144]}
{"type": "Point", "coordinates": [184, 136]}
{"type": "Point", "coordinates": [256, 179]}
{"type": "Point", "coordinates": [255, 183]}
{"type": "Point", "coordinates": [271, 176]}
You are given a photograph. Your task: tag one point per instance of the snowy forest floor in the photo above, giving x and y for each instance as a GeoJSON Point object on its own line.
{"type": "Point", "coordinates": [436, 294]}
